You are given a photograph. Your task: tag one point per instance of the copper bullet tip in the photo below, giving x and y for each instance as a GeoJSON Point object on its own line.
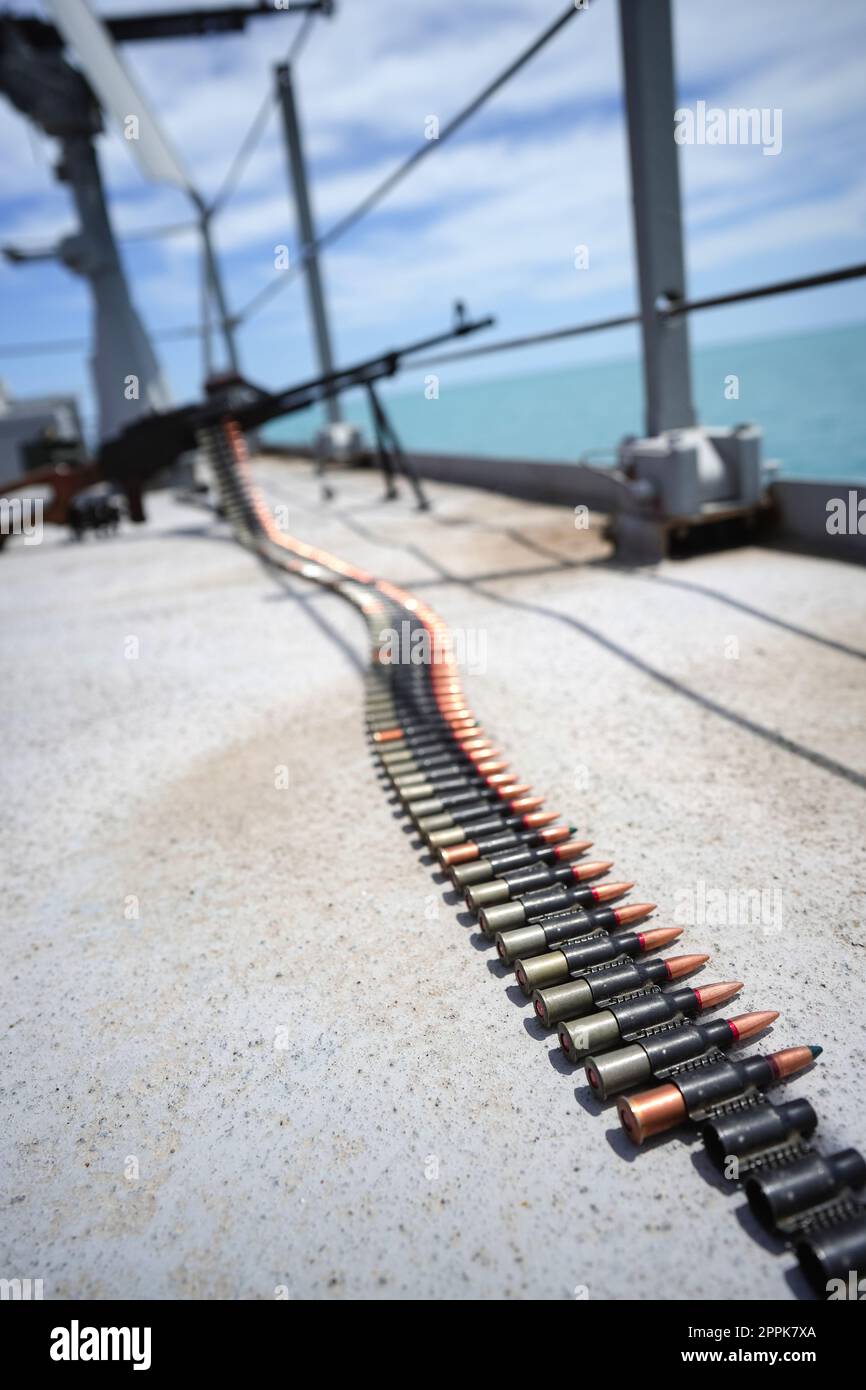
{"type": "Point", "coordinates": [573, 848]}
{"type": "Point", "coordinates": [747, 1025]}
{"type": "Point", "coordinates": [657, 937]}
{"type": "Point", "coordinates": [387, 735]}
{"type": "Point", "coordinates": [633, 913]}
{"type": "Point", "coordinates": [678, 966]}
{"type": "Point", "coordinates": [595, 869]}
{"type": "Point", "coordinates": [607, 891]}
{"type": "Point", "coordinates": [709, 996]}
{"type": "Point", "coordinates": [793, 1059]}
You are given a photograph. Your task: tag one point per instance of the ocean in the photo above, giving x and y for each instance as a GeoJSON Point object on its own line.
{"type": "Point", "coordinates": [807, 391]}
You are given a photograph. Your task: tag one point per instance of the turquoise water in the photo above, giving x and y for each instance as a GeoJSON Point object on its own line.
{"type": "Point", "coordinates": [807, 391]}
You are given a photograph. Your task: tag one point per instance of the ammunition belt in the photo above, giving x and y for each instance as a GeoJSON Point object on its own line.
{"type": "Point", "coordinates": [712, 1054]}
{"type": "Point", "coordinates": [621, 959]}
{"type": "Point", "coordinates": [635, 1035]}
{"type": "Point", "coordinates": [774, 1158]}
{"type": "Point", "coordinates": [645, 992]}
{"type": "Point", "coordinates": [792, 1188]}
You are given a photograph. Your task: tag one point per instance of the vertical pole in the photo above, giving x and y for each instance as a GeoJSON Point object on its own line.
{"type": "Point", "coordinates": [298, 172]}
{"type": "Point", "coordinates": [122, 347]}
{"type": "Point", "coordinates": [206, 344]}
{"type": "Point", "coordinates": [212, 273]}
{"type": "Point", "coordinates": [648, 69]}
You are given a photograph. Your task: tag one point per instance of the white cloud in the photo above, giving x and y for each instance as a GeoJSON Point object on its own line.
{"type": "Point", "coordinates": [495, 215]}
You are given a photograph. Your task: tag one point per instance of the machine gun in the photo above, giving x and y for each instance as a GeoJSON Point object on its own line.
{"type": "Point", "coordinates": [155, 441]}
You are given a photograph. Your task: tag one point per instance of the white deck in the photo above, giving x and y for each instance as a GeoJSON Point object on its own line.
{"type": "Point", "coordinates": [415, 1136]}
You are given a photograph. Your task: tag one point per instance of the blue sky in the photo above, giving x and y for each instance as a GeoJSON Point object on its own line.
{"type": "Point", "coordinates": [492, 217]}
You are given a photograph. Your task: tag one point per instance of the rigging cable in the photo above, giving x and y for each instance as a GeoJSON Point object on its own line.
{"type": "Point", "coordinates": [390, 182]}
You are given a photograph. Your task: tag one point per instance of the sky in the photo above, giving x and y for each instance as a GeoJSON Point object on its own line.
{"type": "Point", "coordinates": [491, 217]}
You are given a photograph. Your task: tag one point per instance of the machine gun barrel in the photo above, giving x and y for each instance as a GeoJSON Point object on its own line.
{"type": "Point", "coordinates": [153, 442]}
{"type": "Point", "coordinates": [269, 405]}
